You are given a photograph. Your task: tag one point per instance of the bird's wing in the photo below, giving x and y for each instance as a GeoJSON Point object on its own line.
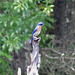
{"type": "Point", "coordinates": [33, 34]}
{"type": "Point", "coordinates": [34, 31]}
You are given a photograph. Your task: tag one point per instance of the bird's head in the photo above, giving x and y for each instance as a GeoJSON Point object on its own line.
{"type": "Point", "coordinates": [40, 24]}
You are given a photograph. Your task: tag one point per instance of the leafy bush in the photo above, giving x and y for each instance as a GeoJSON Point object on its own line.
{"type": "Point", "coordinates": [18, 19]}
{"type": "Point", "coordinates": [5, 68]}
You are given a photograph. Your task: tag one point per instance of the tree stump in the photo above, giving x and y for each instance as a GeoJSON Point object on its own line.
{"type": "Point", "coordinates": [33, 68]}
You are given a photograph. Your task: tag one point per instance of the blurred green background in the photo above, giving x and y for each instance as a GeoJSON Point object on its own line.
{"type": "Point", "coordinates": [18, 18]}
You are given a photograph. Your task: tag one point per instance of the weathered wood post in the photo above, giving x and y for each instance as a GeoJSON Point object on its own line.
{"type": "Point", "coordinates": [33, 68]}
{"type": "Point", "coordinates": [19, 71]}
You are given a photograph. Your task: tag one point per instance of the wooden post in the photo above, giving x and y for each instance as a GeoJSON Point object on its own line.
{"type": "Point", "coordinates": [19, 71]}
{"type": "Point", "coordinates": [33, 68]}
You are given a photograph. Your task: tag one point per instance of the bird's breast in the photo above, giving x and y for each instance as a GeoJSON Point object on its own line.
{"type": "Point", "coordinates": [39, 29]}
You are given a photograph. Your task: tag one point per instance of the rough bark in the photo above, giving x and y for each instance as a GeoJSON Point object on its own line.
{"type": "Point", "coordinates": [20, 59]}
{"type": "Point", "coordinates": [64, 12]}
{"type": "Point", "coordinates": [33, 68]}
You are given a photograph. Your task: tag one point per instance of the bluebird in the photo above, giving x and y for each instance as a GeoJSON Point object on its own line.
{"type": "Point", "coordinates": [37, 31]}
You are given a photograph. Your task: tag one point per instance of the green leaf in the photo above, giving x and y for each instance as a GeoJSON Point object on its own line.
{"type": "Point", "coordinates": [5, 54]}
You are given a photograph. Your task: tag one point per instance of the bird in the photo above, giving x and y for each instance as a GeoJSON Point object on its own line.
{"type": "Point", "coordinates": [37, 31]}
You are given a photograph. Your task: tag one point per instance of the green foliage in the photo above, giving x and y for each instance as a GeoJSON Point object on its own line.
{"type": "Point", "coordinates": [68, 1]}
{"type": "Point", "coordinates": [5, 69]}
{"type": "Point", "coordinates": [18, 19]}
{"type": "Point", "coordinates": [5, 54]}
